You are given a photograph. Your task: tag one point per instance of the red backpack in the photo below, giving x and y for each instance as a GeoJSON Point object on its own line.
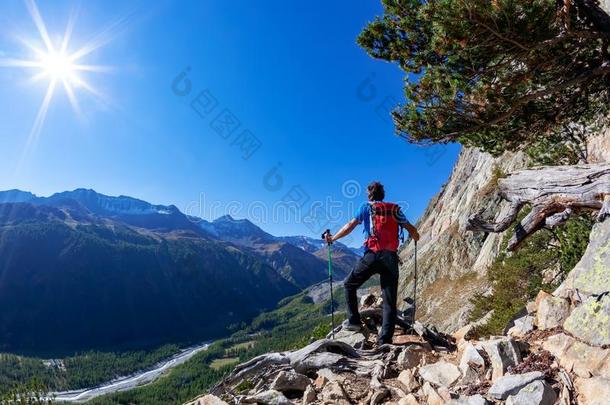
{"type": "Point", "coordinates": [385, 229]}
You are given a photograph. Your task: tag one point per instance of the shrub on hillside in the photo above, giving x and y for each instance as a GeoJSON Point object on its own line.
{"type": "Point", "coordinates": [516, 278]}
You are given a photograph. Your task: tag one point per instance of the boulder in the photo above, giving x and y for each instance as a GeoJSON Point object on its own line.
{"type": "Point", "coordinates": [471, 357]}
{"type": "Point", "coordinates": [468, 400]}
{"type": "Point", "coordinates": [590, 321]}
{"type": "Point", "coordinates": [531, 307]}
{"type": "Point", "coordinates": [290, 381]}
{"type": "Point", "coordinates": [470, 376]}
{"type": "Point", "coordinates": [592, 273]}
{"type": "Point", "coordinates": [408, 381]}
{"type": "Point", "coordinates": [441, 374]}
{"type": "Point", "coordinates": [354, 339]}
{"type": "Point", "coordinates": [535, 393]}
{"type": "Point", "coordinates": [503, 353]}
{"type": "Point", "coordinates": [207, 400]}
{"type": "Point", "coordinates": [508, 385]}
{"type": "Point", "coordinates": [432, 397]}
{"type": "Point", "coordinates": [379, 396]}
{"type": "Point", "coordinates": [444, 393]}
{"type": "Point", "coordinates": [309, 395]}
{"type": "Point", "coordinates": [320, 382]}
{"type": "Point", "coordinates": [584, 360]}
{"type": "Point", "coordinates": [552, 311]}
{"type": "Point", "coordinates": [269, 397]}
{"type": "Point", "coordinates": [408, 400]}
{"type": "Point", "coordinates": [410, 357]}
{"type": "Point", "coordinates": [333, 392]}
{"type": "Point", "coordinates": [541, 295]}
{"type": "Point", "coordinates": [522, 326]}
{"type": "Point", "coordinates": [465, 333]}
{"type": "Point", "coordinates": [593, 391]}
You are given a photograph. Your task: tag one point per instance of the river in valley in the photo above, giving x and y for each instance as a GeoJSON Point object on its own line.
{"type": "Point", "coordinates": [129, 382]}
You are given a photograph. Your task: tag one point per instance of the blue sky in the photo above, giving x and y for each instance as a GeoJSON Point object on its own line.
{"type": "Point", "coordinates": [290, 73]}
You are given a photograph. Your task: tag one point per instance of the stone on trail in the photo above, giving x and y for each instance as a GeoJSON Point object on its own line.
{"type": "Point", "coordinates": [535, 393]}
{"type": "Point", "coordinates": [379, 396]}
{"type": "Point", "coordinates": [503, 353]}
{"type": "Point", "coordinates": [522, 326]}
{"type": "Point", "coordinates": [471, 357]}
{"type": "Point", "coordinates": [590, 321]}
{"type": "Point", "coordinates": [466, 332]}
{"type": "Point", "coordinates": [352, 338]}
{"type": "Point", "coordinates": [269, 397]}
{"type": "Point", "coordinates": [208, 400]}
{"type": "Point", "coordinates": [309, 395]}
{"type": "Point", "coordinates": [408, 400]}
{"type": "Point", "coordinates": [290, 381]}
{"type": "Point", "coordinates": [531, 307]}
{"type": "Point", "coordinates": [444, 393]}
{"type": "Point", "coordinates": [552, 311]}
{"type": "Point", "coordinates": [320, 382]}
{"type": "Point", "coordinates": [508, 385]}
{"type": "Point", "coordinates": [593, 391]}
{"type": "Point", "coordinates": [408, 381]}
{"type": "Point", "coordinates": [410, 357]}
{"type": "Point", "coordinates": [431, 395]}
{"type": "Point", "coordinates": [470, 376]}
{"type": "Point", "coordinates": [469, 400]}
{"type": "Point", "coordinates": [440, 374]}
{"type": "Point", "coordinates": [333, 392]}
{"type": "Point", "coordinates": [584, 360]}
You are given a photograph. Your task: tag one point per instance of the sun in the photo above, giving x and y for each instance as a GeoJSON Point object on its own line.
{"type": "Point", "coordinates": [58, 65]}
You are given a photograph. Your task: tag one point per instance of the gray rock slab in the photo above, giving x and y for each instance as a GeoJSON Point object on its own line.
{"type": "Point", "coordinates": [508, 385]}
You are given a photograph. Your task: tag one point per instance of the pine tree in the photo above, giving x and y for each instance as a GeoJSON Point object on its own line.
{"type": "Point", "coordinates": [499, 74]}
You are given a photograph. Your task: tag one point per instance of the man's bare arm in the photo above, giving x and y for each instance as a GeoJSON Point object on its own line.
{"type": "Point", "coordinates": [344, 231]}
{"type": "Point", "coordinates": [412, 231]}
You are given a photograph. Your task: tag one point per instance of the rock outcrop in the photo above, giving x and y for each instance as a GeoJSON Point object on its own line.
{"type": "Point", "coordinates": [452, 262]}
{"type": "Point", "coordinates": [422, 366]}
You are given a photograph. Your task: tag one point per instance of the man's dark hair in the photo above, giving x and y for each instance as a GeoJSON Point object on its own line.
{"type": "Point", "coordinates": [376, 191]}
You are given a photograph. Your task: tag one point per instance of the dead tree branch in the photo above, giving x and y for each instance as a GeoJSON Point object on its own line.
{"type": "Point", "coordinates": [554, 193]}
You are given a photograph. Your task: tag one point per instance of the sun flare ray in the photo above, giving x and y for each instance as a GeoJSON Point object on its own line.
{"type": "Point", "coordinates": [40, 25]}
{"type": "Point", "coordinates": [10, 62]}
{"type": "Point", "coordinates": [73, 101]}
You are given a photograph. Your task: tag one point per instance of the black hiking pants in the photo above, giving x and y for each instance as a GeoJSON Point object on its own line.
{"type": "Point", "coordinates": [384, 263]}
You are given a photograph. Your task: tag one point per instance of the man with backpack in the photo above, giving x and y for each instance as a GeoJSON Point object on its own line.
{"type": "Point", "coordinates": [383, 223]}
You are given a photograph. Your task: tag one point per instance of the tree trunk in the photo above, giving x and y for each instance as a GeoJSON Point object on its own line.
{"type": "Point", "coordinates": [554, 193]}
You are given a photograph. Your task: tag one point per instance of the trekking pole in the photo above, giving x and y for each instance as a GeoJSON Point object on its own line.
{"type": "Point", "coordinates": [330, 280]}
{"type": "Point", "coordinates": [415, 282]}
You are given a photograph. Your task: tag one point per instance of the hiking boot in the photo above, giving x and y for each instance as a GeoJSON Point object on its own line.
{"type": "Point", "coordinates": [381, 342]}
{"type": "Point", "coordinates": [346, 325]}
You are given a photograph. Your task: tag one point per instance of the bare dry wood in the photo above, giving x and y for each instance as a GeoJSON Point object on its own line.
{"type": "Point", "coordinates": [331, 354]}
{"type": "Point", "coordinates": [554, 193]}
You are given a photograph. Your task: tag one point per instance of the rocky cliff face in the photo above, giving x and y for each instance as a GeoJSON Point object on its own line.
{"type": "Point", "coordinates": [452, 261]}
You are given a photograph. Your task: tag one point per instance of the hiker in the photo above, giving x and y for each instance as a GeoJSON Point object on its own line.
{"type": "Point", "coordinates": [382, 226]}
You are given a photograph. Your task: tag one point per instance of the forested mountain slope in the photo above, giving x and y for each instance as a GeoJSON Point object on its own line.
{"type": "Point", "coordinates": [94, 271]}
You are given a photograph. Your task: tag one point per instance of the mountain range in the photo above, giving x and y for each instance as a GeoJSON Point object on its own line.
{"type": "Point", "coordinates": [81, 270]}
